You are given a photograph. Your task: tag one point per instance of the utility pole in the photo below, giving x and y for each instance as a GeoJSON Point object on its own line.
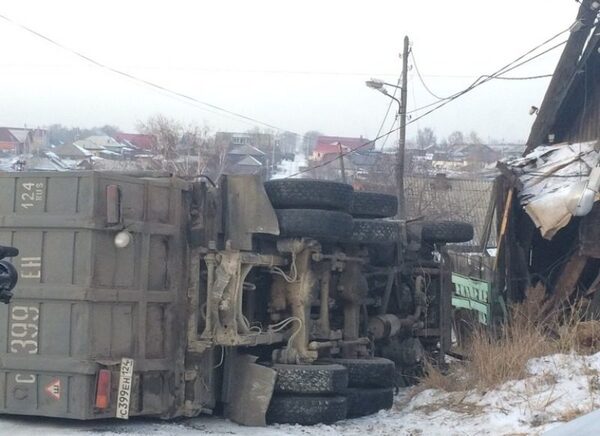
{"type": "Point", "coordinates": [402, 132]}
{"type": "Point", "coordinates": [343, 169]}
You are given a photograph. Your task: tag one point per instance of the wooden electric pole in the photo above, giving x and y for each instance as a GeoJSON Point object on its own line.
{"type": "Point", "coordinates": [402, 132]}
{"type": "Point", "coordinates": [342, 168]}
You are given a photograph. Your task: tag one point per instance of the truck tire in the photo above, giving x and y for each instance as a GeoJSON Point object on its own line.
{"type": "Point", "coordinates": [382, 255]}
{"type": "Point", "coordinates": [375, 372]}
{"type": "Point", "coordinates": [367, 231]}
{"type": "Point", "coordinates": [310, 379]}
{"type": "Point", "coordinates": [309, 194]}
{"type": "Point", "coordinates": [323, 225]}
{"type": "Point", "coordinates": [373, 205]}
{"type": "Point", "coordinates": [446, 231]}
{"type": "Point", "coordinates": [366, 401]}
{"type": "Point", "coordinates": [306, 410]}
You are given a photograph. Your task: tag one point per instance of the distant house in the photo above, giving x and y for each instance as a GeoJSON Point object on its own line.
{"type": "Point", "coordinates": [242, 151]}
{"type": "Point", "coordinates": [8, 142]}
{"type": "Point", "coordinates": [247, 165]}
{"type": "Point", "coordinates": [103, 146]}
{"type": "Point", "coordinates": [323, 150]}
{"type": "Point", "coordinates": [350, 142]}
{"type": "Point", "coordinates": [139, 140]}
{"type": "Point", "coordinates": [246, 159]}
{"type": "Point", "coordinates": [72, 151]}
{"type": "Point", "coordinates": [18, 140]}
{"type": "Point", "coordinates": [474, 153]}
{"type": "Point", "coordinates": [231, 140]}
{"type": "Point", "coordinates": [369, 163]}
{"type": "Point", "coordinates": [509, 151]}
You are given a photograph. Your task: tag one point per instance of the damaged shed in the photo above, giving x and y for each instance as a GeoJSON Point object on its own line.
{"type": "Point", "coordinates": [548, 214]}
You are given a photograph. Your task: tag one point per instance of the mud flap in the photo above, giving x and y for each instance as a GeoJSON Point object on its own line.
{"type": "Point", "coordinates": [249, 389]}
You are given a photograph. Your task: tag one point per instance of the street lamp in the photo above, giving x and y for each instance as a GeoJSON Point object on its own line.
{"type": "Point", "coordinates": [380, 85]}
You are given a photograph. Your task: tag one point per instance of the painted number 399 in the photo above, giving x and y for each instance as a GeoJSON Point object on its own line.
{"type": "Point", "coordinates": [24, 329]}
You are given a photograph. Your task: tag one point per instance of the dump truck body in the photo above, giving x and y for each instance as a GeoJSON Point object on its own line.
{"type": "Point", "coordinates": [82, 303]}
{"type": "Point", "coordinates": [144, 294]}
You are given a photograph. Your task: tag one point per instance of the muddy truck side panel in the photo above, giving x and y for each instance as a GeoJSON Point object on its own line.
{"type": "Point", "coordinates": [83, 304]}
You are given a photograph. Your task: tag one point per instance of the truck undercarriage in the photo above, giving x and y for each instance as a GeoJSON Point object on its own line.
{"type": "Point", "coordinates": [296, 301]}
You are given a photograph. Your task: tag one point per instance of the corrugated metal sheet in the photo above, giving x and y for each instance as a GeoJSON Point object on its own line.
{"type": "Point", "coordinates": [547, 176]}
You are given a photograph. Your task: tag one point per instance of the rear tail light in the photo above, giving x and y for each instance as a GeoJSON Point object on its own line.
{"type": "Point", "coordinates": [103, 389]}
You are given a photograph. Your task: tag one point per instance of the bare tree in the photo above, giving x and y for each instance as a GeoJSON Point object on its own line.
{"type": "Point", "coordinates": [310, 140]}
{"type": "Point", "coordinates": [167, 132]}
{"type": "Point", "coordinates": [474, 138]}
{"type": "Point", "coordinates": [426, 137]}
{"type": "Point", "coordinates": [186, 150]}
{"type": "Point", "coordinates": [456, 138]}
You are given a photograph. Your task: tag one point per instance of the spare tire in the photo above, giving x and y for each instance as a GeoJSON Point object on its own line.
{"type": "Point", "coordinates": [306, 409]}
{"type": "Point", "coordinates": [322, 225]}
{"type": "Point", "coordinates": [365, 231]}
{"type": "Point", "coordinates": [373, 205]}
{"type": "Point", "coordinates": [446, 231]}
{"type": "Point", "coordinates": [366, 401]}
{"type": "Point", "coordinates": [374, 372]}
{"type": "Point", "coordinates": [309, 194]}
{"type": "Point", "coordinates": [310, 379]}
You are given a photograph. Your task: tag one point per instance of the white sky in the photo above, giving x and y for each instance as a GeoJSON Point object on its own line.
{"type": "Point", "coordinates": [297, 64]}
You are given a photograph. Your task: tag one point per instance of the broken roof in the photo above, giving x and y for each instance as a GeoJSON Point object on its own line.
{"type": "Point", "coordinates": [545, 178]}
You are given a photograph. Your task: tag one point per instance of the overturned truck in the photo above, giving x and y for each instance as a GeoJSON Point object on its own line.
{"type": "Point", "coordinates": [294, 301]}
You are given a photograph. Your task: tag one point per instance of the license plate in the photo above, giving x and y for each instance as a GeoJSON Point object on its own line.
{"type": "Point", "coordinates": [124, 392]}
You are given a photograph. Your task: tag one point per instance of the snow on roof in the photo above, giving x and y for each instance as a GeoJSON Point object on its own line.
{"type": "Point", "coordinates": [249, 161]}
{"type": "Point", "coordinates": [247, 150]}
{"type": "Point", "coordinates": [98, 142]}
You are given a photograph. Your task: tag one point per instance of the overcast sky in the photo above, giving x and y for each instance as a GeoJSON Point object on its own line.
{"type": "Point", "coordinates": [296, 64]}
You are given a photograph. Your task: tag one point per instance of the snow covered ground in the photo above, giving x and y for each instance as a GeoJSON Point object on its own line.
{"type": "Point", "coordinates": [288, 168]}
{"type": "Point", "coordinates": [559, 388]}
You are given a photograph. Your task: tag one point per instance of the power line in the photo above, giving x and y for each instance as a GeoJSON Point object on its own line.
{"type": "Point", "coordinates": [495, 76]}
{"type": "Point", "coordinates": [518, 62]}
{"type": "Point", "coordinates": [542, 76]}
{"type": "Point", "coordinates": [156, 86]}
{"type": "Point", "coordinates": [387, 112]}
{"type": "Point", "coordinates": [421, 78]}
{"type": "Point", "coordinates": [507, 68]}
{"type": "Point", "coordinates": [434, 95]}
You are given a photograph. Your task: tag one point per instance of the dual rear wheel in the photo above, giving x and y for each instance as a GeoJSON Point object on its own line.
{"type": "Point", "coordinates": [331, 390]}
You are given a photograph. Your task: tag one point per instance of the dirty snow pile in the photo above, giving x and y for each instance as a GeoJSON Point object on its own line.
{"type": "Point", "coordinates": [559, 388]}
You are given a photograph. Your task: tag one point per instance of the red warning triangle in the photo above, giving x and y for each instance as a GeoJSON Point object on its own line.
{"type": "Point", "coordinates": [53, 389]}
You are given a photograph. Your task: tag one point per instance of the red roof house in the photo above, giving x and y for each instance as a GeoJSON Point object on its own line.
{"type": "Point", "coordinates": [140, 140]}
{"type": "Point", "coordinates": [351, 143]}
